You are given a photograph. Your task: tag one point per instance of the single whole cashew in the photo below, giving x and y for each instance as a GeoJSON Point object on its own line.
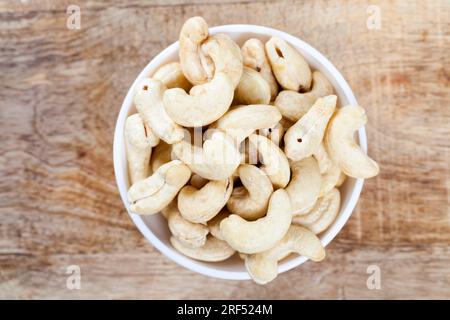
{"type": "Point", "coordinates": [263, 267]}
{"type": "Point", "coordinates": [205, 104]}
{"type": "Point", "coordinates": [288, 65]}
{"type": "Point", "coordinates": [151, 195]}
{"type": "Point", "coordinates": [217, 160]}
{"type": "Point", "coordinates": [190, 234]}
{"type": "Point", "coordinates": [139, 141]}
{"type": "Point", "coordinates": [251, 201]}
{"type": "Point", "coordinates": [275, 163]}
{"type": "Point", "coordinates": [212, 251]}
{"type": "Point", "coordinates": [201, 205]}
{"type": "Point", "coordinates": [172, 76]}
{"type": "Point", "coordinates": [294, 105]}
{"type": "Point", "coordinates": [162, 154]}
{"type": "Point", "coordinates": [214, 223]}
{"type": "Point", "coordinates": [304, 187]}
{"type": "Point", "coordinates": [255, 57]}
{"type": "Point", "coordinates": [342, 147]}
{"type": "Point", "coordinates": [304, 137]}
{"type": "Point", "coordinates": [262, 234]}
{"type": "Point", "coordinates": [252, 88]}
{"type": "Point", "coordinates": [149, 102]}
{"type": "Point", "coordinates": [197, 181]}
{"type": "Point", "coordinates": [274, 133]}
{"type": "Point", "coordinates": [323, 214]}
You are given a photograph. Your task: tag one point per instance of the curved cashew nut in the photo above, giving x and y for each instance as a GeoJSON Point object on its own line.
{"type": "Point", "coordinates": [217, 160]}
{"type": "Point", "coordinates": [190, 234]}
{"type": "Point", "coordinates": [151, 195]}
{"type": "Point", "coordinates": [305, 136]}
{"type": "Point", "coordinates": [262, 234]}
{"type": "Point", "coordinates": [304, 187]}
{"type": "Point", "coordinates": [275, 163]}
{"type": "Point", "coordinates": [205, 104]}
{"type": "Point", "coordinates": [263, 267]}
{"type": "Point", "coordinates": [212, 251]}
{"type": "Point", "coordinates": [161, 155]}
{"type": "Point", "coordinates": [274, 133]}
{"type": "Point", "coordinates": [251, 201]}
{"type": "Point", "coordinates": [149, 102]}
{"type": "Point", "coordinates": [214, 223]}
{"type": "Point", "coordinates": [172, 76]}
{"type": "Point", "coordinates": [255, 57]}
{"type": "Point", "coordinates": [139, 140]}
{"type": "Point", "coordinates": [252, 88]}
{"type": "Point", "coordinates": [288, 65]}
{"type": "Point", "coordinates": [201, 205]}
{"type": "Point", "coordinates": [342, 147]}
{"type": "Point", "coordinates": [294, 105]}
{"type": "Point", "coordinates": [323, 214]}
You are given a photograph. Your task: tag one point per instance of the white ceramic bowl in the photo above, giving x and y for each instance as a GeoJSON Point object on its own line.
{"type": "Point", "coordinates": [154, 227]}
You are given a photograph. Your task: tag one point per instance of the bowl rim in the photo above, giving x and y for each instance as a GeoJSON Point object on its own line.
{"type": "Point", "coordinates": [119, 156]}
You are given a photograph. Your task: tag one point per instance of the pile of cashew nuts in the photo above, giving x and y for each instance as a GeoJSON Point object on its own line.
{"type": "Point", "coordinates": [242, 150]}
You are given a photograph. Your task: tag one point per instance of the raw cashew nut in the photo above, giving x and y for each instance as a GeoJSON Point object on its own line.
{"type": "Point", "coordinates": [323, 159]}
{"type": "Point", "coordinates": [255, 57]}
{"type": "Point", "coordinates": [149, 102]}
{"type": "Point", "coordinates": [197, 181]}
{"type": "Point", "coordinates": [172, 76]}
{"type": "Point", "coordinates": [274, 133]}
{"type": "Point", "coordinates": [294, 105]}
{"type": "Point", "coordinates": [201, 205]}
{"type": "Point", "coordinates": [341, 180]}
{"type": "Point", "coordinates": [305, 136]}
{"type": "Point", "coordinates": [205, 104]}
{"type": "Point", "coordinates": [323, 214]}
{"type": "Point", "coordinates": [161, 154]}
{"type": "Point", "coordinates": [252, 88]}
{"type": "Point", "coordinates": [263, 267]}
{"type": "Point", "coordinates": [262, 234]}
{"type": "Point", "coordinates": [139, 141]}
{"type": "Point", "coordinates": [217, 160]}
{"type": "Point", "coordinates": [212, 251]}
{"type": "Point", "coordinates": [190, 234]}
{"type": "Point", "coordinates": [342, 146]}
{"type": "Point", "coordinates": [275, 163]}
{"type": "Point", "coordinates": [251, 201]}
{"type": "Point", "coordinates": [330, 179]}
{"type": "Point", "coordinates": [288, 65]}
{"type": "Point", "coordinates": [153, 194]}
{"type": "Point", "coordinates": [214, 223]}
{"type": "Point", "coordinates": [304, 187]}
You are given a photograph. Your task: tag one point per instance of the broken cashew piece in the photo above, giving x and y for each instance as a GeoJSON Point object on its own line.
{"type": "Point", "coordinates": [212, 251]}
{"type": "Point", "coordinates": [342, 147]}
{"type": "Point", "coordinates": [323, 214]}
{"type": "Point", "coordinates": [289, 67]}
{"type": "Point", "coordinates": [151, 195]}
{"type": "Point", "coordinates": [214, 223]}
{"type": "Point", "coordinates": [139, 141]}
{"type": "Point", "coordinates": [172, 76]}
{"type": "Point", "coordinates": [252, 89]}
{"type": "Point", "coordinates": [251, 201]}
{"type": "Point", "coordinates": [263, 267]}
{"type": "Point", "coordinates": [262, 234]}
{"type": "Point", "coordinates": [149, 102]}
{"type": "Point", "coordinates": [304, 137]}
{"type": "Point", "coordinates": [201, 205]}
{"type": "Point", "coordinates": [294, 105]}
{"type": "Point", "coordinates": [161, 154]}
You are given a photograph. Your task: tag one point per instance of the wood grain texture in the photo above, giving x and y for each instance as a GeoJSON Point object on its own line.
{"type": "Point", "coordinates": [60, 93]}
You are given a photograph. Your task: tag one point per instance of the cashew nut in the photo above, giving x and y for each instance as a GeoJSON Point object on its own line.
{"type": "Point", "coordinates": [330, 179]}
{"type": "Point", "coordinates": [288, 66]}
{"type": "Point", "coordinates": [251, 201]}
{"type": "Point", "coordinates": [154, 193]}
{"type": "Point", "coordinates": [139, 140]}
{"type": "Point", "coordinates": [262, 234]}
{"type": "Point", "coordinates": [149, 102]}
{"type": "Point", "coordinates": [304, 187]}
{"type": "Point", "coordinates": [197, 181]}
{"type": "Point", "coordinates": [323, 214]}
{"type": "Point", "coordinates": [252, 88]}
{"type": "Point", "coordinates": [172, 76]}
{"type": "Point", "coordinates": [212, 251]}
{"type": "Point", "coordinates": [214, 223]}
{"type": "Point", "coordinates": [201, 205]}
{"type": "Point", "coordinates": [305, 136]}
{"type": "Point", "coordinates": [161, 154]}
{"type": "Point", "coordinates": [190, 234]}
{"type": "Point", "coordinates": [341, 179]}
{"type": "Point", "coordinates": [294, 105]}
{"type": "Point", "coordinates": [342, 147]}
{"type": "Point", "coordinates": [255, 57]}
{"type": "Point", "coordinates": [263, 267]}
{"type": "Point", "coordinates": [275, 163]}
{"type": "Point", "coordinates": [323, 159]}
{"type": "Point", "coordinates": [274, 133]}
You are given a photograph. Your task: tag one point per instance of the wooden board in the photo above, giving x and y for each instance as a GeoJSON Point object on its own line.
{"type": "Point", "coordinates": [60, 93]}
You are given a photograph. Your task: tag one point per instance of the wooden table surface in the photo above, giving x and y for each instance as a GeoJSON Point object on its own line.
{"type": "Point", "coordinates": [60, 93]}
